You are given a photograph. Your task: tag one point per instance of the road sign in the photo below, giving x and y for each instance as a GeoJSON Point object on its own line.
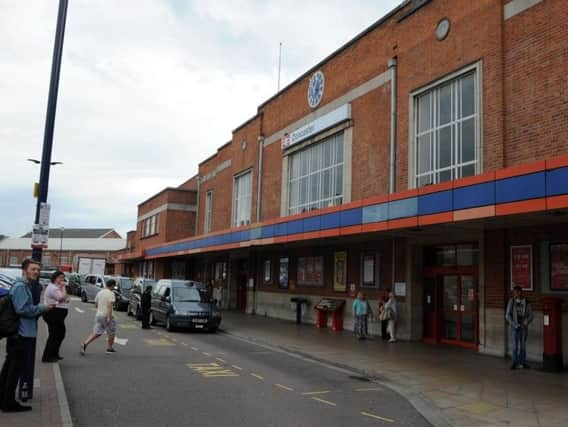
{"type": "Point", "coordinates": [40, 236]}
{"type": "Point", "coordinates": [44, 210]}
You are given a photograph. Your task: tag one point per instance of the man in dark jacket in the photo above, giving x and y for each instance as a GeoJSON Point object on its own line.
{"type": "Point", "coordinates": [145, 303]}
{"type": "Point", "coordinates": [519, 315]}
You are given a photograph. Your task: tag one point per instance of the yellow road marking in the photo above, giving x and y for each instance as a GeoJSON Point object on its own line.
{"type": "Point", "coordinates": [284, 387]}
{"type": "Point", "coordinates": [260, 377]}
{"type": "Point", "coordinates": [220, 360]}
{"type": "Point", "coordinates": [127, 326]}
{"type": "Point", "coordinates": [369, 389]}
{"type": "Point", "coordinates": [194, 348]}
{"type": "Point", "coordinates": [206, 354]}
{"type": "Point", "coordinates": [211, 370]}
{"type": "Point", "coordinates": [327, 402]}
{"type": "Point", "coordinates": [366, 414]}
{"type": "Point", "coordinates": [237, 367]}
{"type": "Point", "coordinates": [310, 393]}
{"type": "Point", "coordinates": [159, 342]}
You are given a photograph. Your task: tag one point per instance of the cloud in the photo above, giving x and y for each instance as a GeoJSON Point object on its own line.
{"type": "Point", "coordinates": [148, 89]}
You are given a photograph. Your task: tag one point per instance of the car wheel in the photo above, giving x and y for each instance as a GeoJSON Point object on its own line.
{"type": "Point", "coordinates": [83, 297]}
{"type": "Point", "coordinates": [213, 330]}
{"type": "Point", "coordinates": [169, 326]}
{"type": "Point", "coordinates": [152, 320]}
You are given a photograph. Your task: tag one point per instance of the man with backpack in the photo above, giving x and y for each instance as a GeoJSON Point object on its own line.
{"type": "Point", "coordinates": [16, 345]}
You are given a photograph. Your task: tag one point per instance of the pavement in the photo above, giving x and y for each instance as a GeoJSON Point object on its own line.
{"type": "Point", "coordinates": [269, 372]}
{"type": "Point", "coordinates": [49, 403]}
{"type": "Point", "coordinates": [448, 386]}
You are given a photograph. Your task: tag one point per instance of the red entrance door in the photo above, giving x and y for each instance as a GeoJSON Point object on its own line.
{"type": "Point", "coordinates": [450, 307]}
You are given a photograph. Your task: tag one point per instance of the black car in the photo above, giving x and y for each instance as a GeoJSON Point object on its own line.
{"type": "Point", "coordinates": [73, 283]}
{"type": "Point", "coordinates": [183, 304]}
{"type": "Point", "coordinates": [140, 284]}
{"type": "Point", "coordinates": [122, 292]}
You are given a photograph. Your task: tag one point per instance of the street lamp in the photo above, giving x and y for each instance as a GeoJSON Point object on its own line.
{"type": "Point", "coordinates": [37, 162]}
{"type": "Point", "coordinates": [61, 246]}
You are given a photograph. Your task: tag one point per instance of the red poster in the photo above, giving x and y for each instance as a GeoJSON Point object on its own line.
{"type": "Point", "coordinates": [521, 267]}
{"type": "Point", "coordinates": [559, 267]}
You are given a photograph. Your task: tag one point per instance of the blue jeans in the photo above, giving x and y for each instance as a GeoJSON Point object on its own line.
{"type": "Point", "coordinates": [519, 345]}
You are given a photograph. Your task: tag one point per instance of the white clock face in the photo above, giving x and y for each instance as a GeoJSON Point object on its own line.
{"type": "Point", "coordinates": [315, 89]}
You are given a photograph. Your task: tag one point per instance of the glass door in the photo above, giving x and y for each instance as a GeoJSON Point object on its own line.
{"type": "Point", "coordinates": [459, 309]}
{"type": "Point", "coordinates": [468, 310]}
{"type": "Point", "coordinates": [450, 289]}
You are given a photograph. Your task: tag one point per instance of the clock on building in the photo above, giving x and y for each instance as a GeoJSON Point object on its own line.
{"type": "Point", "coordinates": [315, 89]}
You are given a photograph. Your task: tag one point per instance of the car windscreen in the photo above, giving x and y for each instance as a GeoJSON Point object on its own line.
{"type": "Point", "coordinates": [125, 283]}
{"type": "Point", "coordinates": [188, 295]}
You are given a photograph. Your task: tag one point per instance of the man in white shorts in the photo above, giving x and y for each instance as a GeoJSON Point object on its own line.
{"type": "Point", "coordinates": [104, 321]}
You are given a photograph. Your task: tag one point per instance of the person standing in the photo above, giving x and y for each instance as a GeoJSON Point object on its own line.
{"type": "Point", "coordinates": [145, 304]}
{"type": "Point", "coordinates": [361, 311]}
{"type": "Point", "coordinates": [56, 294]}
{"type": "Point", "coordinates": [519, 316]}
{"type": "Point", "coordinates": [16, 348]}
{"type": "Point", "coordinates": [390, 315]}
{"type": "Point", "coordinates": [104, 320]}
{"type": "Point", "coordinates": [384, 320]}
{"type": "Point", "coordinates": [218, 297]}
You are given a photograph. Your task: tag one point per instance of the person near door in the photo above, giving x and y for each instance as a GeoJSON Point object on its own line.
{"type": "Point", "coordinates": [384, 320]}
{"type": "Point", "coordinates": [519, 315]}
{"type": "Point", "coordinates": [145, 304]}
{"type": "Point", "coordinates": [390, 315]}
{"type": "Point", "coordinates": [56, 294]}
{"type": "Point", "coordinates": [361, 310]}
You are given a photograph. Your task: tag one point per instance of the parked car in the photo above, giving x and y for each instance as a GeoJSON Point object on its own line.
{"type": "Point", "coordinates": [45, 277]}
{"type": "Point", "coordinates": [138, 288]}
{"type": "Point", "coordinates": [73, 283]}
{"type": "Point", "coordinates": [91, 286]}
{"type": "Point", "coordinates": [13, 273]}
{"type": "Point", "coordinates": [122, 291]}
{"type": "Point", "coordinates": [183, 304]}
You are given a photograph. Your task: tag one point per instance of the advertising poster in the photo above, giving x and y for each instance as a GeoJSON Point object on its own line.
{"type": "Point", "coordinates": [310, 271]}
{"type": "Point", "coordinates": [369, 270]}
{"type": "Point", "coordinates": [521, 267]}
{"type": "Point", "coordinates": [340, 272]}
{"type": "Point", "coordinates": [559, 267]}
{"type": "Point", "coordinates": [283, 274]}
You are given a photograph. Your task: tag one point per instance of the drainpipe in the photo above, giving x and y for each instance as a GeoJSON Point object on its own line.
{"type": "Point", "coordinates": [392, 176]}
{"type": "Point", "coordinates": [196, 232]}
{"type": "Point", "coordinates": [259, 189]}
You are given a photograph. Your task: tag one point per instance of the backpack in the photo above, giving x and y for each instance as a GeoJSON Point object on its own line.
{"type": "Point", "coordinates": [9, 320]}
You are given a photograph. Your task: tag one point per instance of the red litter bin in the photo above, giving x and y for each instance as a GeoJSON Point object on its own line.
{"type": "Point", "coordinates": [321, 320]}
{"type": "Point", "coordinates": [552, 331]}
{"type": "Point", "coordinates": [337, 319]}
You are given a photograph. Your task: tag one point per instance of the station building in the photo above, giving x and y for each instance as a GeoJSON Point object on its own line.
{"type": "Point", "coordinates": [427, 155]}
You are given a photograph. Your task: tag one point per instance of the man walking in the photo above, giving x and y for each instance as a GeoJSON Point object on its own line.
{"type": "Point", "coordinates": [18, 346]}
{"type": "Point", "coordinates": [519, 315]}
{"type": "Point", "coordinates": [145, 304]}
{"type": "Point", "coordinates": [104, 320]}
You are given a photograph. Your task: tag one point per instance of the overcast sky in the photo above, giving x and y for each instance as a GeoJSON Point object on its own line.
{"type": "Point", "coordinates": [148, 89]}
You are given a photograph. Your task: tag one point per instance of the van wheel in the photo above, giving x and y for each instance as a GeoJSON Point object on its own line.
{"type": "Point", "coordinates": [83, 297]}
{"type": "Point", "coordinates": [152, 320]}
{"type": "Point", "coordinates": [169, 326]}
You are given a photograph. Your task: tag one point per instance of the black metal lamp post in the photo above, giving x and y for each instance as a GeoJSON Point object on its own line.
{"type": "Point", "coordinates": [50, 116]}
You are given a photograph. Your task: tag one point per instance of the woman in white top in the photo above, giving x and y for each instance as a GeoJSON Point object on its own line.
{"type": "Point", "coordinates": [56, 294]}
{"type": "Point", "coordinates": [390, 310]}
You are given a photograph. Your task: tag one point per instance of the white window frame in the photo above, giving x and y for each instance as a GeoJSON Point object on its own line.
{"type": "Point", "coordinates": [477, 69]}
{"type": "Point", "coordinates": [207, 221]}
{"type": "Point", "coordinates": [13, 260]}
{"type": "Point", "coordinates": [319, 203]}
{"type": "Point", "coordinates": [236, 221]}
{"type": "Point", "coordinates": [46, 260]}
{"type": "Point", "coordinates": [64, 260]}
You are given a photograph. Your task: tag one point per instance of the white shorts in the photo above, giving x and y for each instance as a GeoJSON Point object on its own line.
{"type": "Point", "coordinates": [102, 325]}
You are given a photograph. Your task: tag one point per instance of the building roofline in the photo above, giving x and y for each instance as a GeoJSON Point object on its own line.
{"type": "Point", "coordinates": [181, 190]}
{"type": "Point", "coordinates": [247, 122]}
{"type": "Point", "coordinates": [351, 42]}
{"type": "Point", "coordinates": [217, 152]}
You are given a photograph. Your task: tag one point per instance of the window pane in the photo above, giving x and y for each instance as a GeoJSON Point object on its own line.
{"type": "Point", "coordinates": [424, 112]}
{"type": "Point", "coordinates": [303, 190]}
{"type": "Point", "coordinates": [326, 184]}
{"type": "Point", "coordinates": [468, 170]}
{"type": "Point", "coordinates": [467, 95]}
{"type": "Point", "coordinates": [339, 148]}
{"type": "Point", "coordinates": [314, 187]}
{"type": "Point", "coordinates": [305, 159]}
{"type": "Point", "coordinates": [445, 104]}
{"type": "Point", "coordinates": [445, 176]}
{"type": "Point", "coordinates": [468, 140]}
{"type": "Point", "coordinates": [326, 155]}
{"type": "Point", "coordinates": [424, 154]}
{"type": "Point", "coordinates": [445, 147]}
{"type": "Point", "coordinates": [338, 181]}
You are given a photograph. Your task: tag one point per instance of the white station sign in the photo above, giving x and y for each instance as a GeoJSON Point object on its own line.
{"type": "Point", "coordinates": [318, 125]}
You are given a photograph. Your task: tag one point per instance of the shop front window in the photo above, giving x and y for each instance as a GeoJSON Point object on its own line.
{"type": "Point", "coordinates": [310, 271]}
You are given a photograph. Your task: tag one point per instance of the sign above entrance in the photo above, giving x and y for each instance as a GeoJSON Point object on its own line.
{"type": "Point", "coordinates": [318, 125]}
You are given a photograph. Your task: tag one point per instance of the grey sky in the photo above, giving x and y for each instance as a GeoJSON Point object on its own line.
{"type": "Point", "coordinates": [148, 89]}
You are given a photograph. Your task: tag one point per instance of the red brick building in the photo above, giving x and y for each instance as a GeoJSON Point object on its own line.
{"type": "Point", "coordinates": [65, 248]}
{"type": "Point", "coordinates": [427, 155]}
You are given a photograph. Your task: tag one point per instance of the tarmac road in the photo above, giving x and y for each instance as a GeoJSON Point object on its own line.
{"type": "Point", "coordinates": [159, 378]}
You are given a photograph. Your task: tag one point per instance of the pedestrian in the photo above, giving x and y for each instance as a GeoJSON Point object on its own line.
{"type": "Point", "coordinates": [390, 315]}
{"type": "Point", "coordinates": [56, 294]}
{"type": "Point", "coordinates": [104, 320]}
{"type": "Point", "coordinates": [16, 348]}
{"type": "Point", "coordinates": [384, 320]}
{"type": "Point", "coordinates": [361, 310]}
{"type": "Point", "coordinates": [519, 315]}
{"type": "Point", "coordinates": [145, 304]}
{"type": "Point", "coordinates": [218, 297]}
